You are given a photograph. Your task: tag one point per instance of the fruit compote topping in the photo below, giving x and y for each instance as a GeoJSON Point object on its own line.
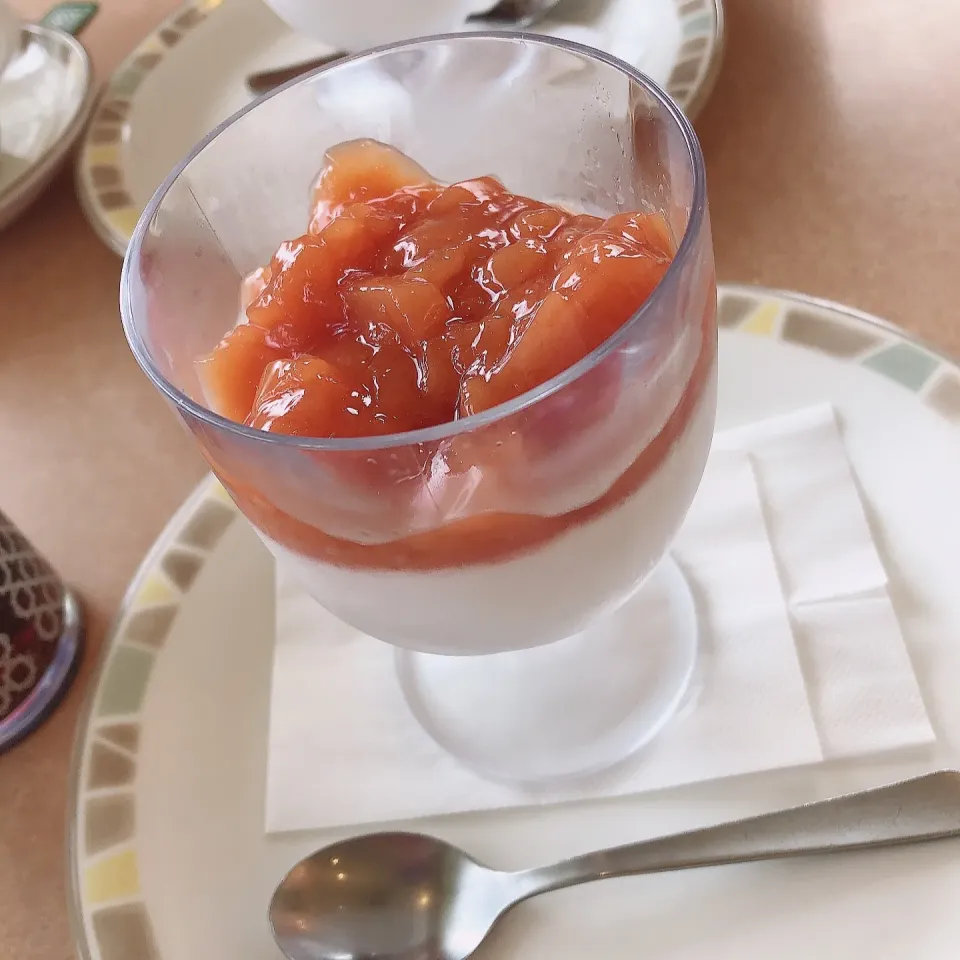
{"type": "Point", "coordinates": [409, 304]}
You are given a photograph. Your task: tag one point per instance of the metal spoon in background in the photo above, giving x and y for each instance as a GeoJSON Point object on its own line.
{"type": "Point", "coordinates": [515, 14]}
{"type": "Point", "coordinates": [507, 14]}
{"type": "Point", "coordinates": [406, 896]}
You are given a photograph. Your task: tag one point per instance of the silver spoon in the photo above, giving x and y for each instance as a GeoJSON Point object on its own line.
{"type": "Point", "coordinates": [406, 896]}
{"type": "Point", "coordinates": [507, 14]}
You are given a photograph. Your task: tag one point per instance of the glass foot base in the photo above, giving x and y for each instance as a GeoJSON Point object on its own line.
{"type": "Point", "coordinates": [568, 709]}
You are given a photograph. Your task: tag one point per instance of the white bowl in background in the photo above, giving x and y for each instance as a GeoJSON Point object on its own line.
{"type": "Point", "coordinates": [46, 96]}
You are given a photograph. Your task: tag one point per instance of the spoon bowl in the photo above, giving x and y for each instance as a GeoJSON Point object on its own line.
{"type": "Point", "coordinates": [396, 896]}
{"type": "Point", "coordinates": [514, 13]}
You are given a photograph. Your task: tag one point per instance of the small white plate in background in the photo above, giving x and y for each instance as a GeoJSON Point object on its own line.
{"type": "Point", "coordinates": [190, 74]}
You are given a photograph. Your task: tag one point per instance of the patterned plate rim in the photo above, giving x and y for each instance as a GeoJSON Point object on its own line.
{"type": "Point", "coordinates": [100, 178]}
{"type": "Point", "coordinates": [108, 915]}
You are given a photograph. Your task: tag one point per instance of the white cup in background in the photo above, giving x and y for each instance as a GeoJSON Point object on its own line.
{"type": "Point", "coordinates": [354, 25]}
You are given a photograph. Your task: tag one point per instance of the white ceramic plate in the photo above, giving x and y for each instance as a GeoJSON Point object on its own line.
{"type": "Point", "coordinates": [168, 857]}
{"type": "Point", "coordinates": [189, 75]}
{"type": "Point", "coordinates": [46, 96]}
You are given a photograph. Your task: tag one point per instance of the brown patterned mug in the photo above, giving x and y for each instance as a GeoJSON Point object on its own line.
{"type": "Point", "coordinates": [40, 636]}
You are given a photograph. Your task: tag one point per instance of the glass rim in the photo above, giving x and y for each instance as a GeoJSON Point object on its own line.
{"type": "Point", "coordinates": [450, 428]}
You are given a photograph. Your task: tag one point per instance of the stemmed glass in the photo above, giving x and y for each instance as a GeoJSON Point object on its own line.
{"type": "Point", "coordinates": [517, 559]}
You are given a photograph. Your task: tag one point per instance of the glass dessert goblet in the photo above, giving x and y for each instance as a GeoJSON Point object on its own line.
{"type": "Point", "coordinates": [517, 558]}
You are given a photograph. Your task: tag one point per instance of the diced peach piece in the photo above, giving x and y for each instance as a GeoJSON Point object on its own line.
{"type": "Point", "coordinates": [539, 223]}
{"type": "Point", "coordinates": [480, 344]}
{"type": "Point", "coordinates": [518, 263]}
{"type": "Point", "coordinates": [395, 374]}
{"type": "Point", "coordinates": [361, 170]}
{"type": "Point", "coordinates": [461, 338]}
{"type": "Point", "coordinates": [467, 193]}
{"type": "Point", "coordinates": [585, 222]}
{"type": "Point", "coordinates": [414, 309]}
{"type": "Point", "coordinates": [351, 352]}
{"type": "Point", "coordinates": [477, 394]}
{"type": "Point", "coordinates": [521, 275]}
{"type": "Point", "coordinates": [565, 242]}
{"type": "Point", "coordinates": [394, 212]}
{"type": "Point", "coordinates": [473, 297]}
{"type": "Point", "coordinates": [418, 244]}
{"type": "Point", "coordinates": [522, 298]}
{"type": "Point", "coordinates": [519, 304]}
{"type": "Point", "coordinates": [300, 301]}
{"type": "Point", "coordinates": [448, 266]}
{"type": "Point", "coordinates": [309, 394]}
{"type": "Point", "coordinates": [302, 276]}
{"type": "Point", "coordinates": [230, 374]}
{"type": "Point", "coordinates": [593, 297]}
{"type": "Point", "coordinates": [369, 227]}
{"type": "Point", "coordinates": [307, 397]}
{"type": "Point", "coordinates": [474, 214]}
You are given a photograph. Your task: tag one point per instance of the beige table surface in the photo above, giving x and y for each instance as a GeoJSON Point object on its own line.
{"type": "Point", "coordinates": [832, 143]}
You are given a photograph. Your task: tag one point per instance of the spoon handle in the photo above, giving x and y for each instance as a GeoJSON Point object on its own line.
{"type": "Point", "coordinates": [266, 80]}
{"type": "Point", "coordinates": [923, 808]}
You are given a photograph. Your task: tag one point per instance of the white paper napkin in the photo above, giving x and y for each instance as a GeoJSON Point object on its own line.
{"type": "Point", "coordinates": [802, 656]}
